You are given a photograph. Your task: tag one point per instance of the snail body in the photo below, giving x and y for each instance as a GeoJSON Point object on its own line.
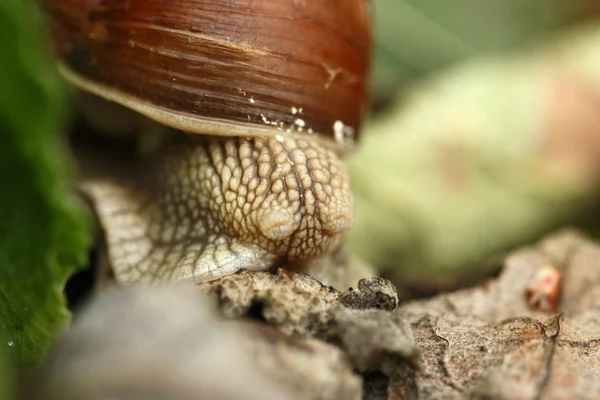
{"type": "Point", "coordinates": [270, 95]}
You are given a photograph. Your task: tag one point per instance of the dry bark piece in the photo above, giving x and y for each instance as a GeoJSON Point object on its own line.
{"type": "Point", "coordinates": [486, 342]}
{"type": "Point", "coordinates": [295, 302]}
{"type": "Point", "coordinates": [167, 343]}
{"type": "Point", "coordinates": [372, 293]}
{"type": "Point", "coordinates": [374, 338]}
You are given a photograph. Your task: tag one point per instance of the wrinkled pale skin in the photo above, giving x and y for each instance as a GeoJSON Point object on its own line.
{"type": "Point", "coordinates": [210, 206]}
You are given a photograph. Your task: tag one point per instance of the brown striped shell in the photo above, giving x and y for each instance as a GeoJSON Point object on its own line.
{"type": "Point", "coordinates": [223, 67]}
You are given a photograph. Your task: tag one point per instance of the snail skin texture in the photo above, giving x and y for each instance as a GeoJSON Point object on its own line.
{"type": "Point", "coordinates": [270, 95]}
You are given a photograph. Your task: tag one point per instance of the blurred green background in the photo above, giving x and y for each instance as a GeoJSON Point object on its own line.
{"type": "Point", "coordinates": [483, 137]}
{"type": "Point", "coordinates": [417, 37]}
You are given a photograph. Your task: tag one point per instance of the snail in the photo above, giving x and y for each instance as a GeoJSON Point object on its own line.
{"type": "Point", "coordinates": [269, 94]}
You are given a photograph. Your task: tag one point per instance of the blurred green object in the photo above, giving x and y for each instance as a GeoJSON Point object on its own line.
{"type": "Point", "coordinates": [416, 37]}
{"type": "Point", "coordinates": [486, 156]}
{"type": "Point", "coordinates": [44, 231]}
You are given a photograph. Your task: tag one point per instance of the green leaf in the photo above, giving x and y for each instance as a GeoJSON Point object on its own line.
{"type": "Point", "coordinates": [44, 230]}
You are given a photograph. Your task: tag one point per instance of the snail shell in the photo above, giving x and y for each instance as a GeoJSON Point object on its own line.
{"type": "Point", "coordinates": [232, 68]}
{"type": "Point", "coordinates": [275, 90]}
